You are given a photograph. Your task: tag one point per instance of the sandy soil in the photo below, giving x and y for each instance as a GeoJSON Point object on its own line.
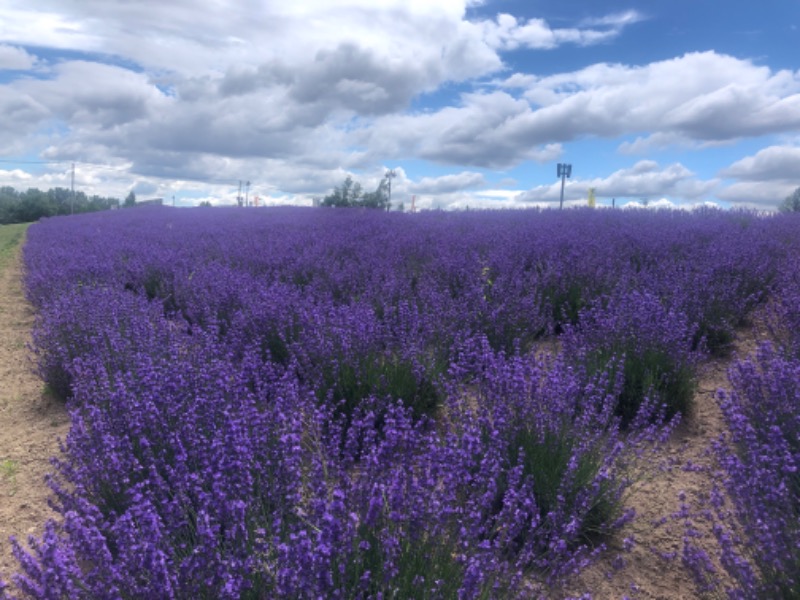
{"type": "Point", "coordinates": [32, 424]}
{"type": "Point", "coordinates": [647, 574]}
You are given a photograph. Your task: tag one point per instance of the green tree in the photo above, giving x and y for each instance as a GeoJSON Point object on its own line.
{"type": "Point", "coordinates": [379, 198]}
{"type": "Point", "coordinates": [791, 203]}
{"type": "Point", "coordinates": [34, 204]}
{"type": "Point", "coordinates": [350, 194]}
{"type": "Point", "coordinates": [346, 195]}
{"type": "Point", "coordinates": [31, 205]}
{"type": "Point", "coordinates": [130, 200]}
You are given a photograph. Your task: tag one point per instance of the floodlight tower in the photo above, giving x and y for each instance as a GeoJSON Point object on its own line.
{"type": "Point", "coordinates": [563, 170]}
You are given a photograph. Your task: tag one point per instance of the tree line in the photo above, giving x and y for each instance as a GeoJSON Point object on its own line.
{"type": "Point", "coordinates": [350, 194]}
{"type": "Point", "coordinates": [791, 203]}
{"type": "Point", "coordinates": [33, 204]}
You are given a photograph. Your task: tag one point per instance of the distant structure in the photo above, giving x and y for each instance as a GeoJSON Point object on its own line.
{"type": "Point", "coordinates": [150, 202]}
{"type": "Point", "coordinates": [592, 200]}
{"type": "Point", "coordinates": [563, 171]}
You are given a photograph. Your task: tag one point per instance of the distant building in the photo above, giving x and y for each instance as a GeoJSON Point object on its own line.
{"type": "Point", "coordinates": [150, 202]}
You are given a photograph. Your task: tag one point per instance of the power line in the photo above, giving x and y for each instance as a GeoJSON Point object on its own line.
{"type": "Point", "coordinates": [63, 162]}
{"type": "Point", "coordinates": [33, 162]}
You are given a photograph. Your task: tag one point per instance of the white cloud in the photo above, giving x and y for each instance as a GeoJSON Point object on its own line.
{"type": "Point", "coordinates": [13, 58]}
{"type": "Point", "coordinates": [447, 183]}
{"type": "Point", "coordinates": [757, 194]}
{"type": "Point", "coordinates": [95, 96]}
{"type": "Point", "coordinates": [645, 179]}
{"type": "Point", "coordinates": [774, 163]}
{"type": "Point", "coordinates": [298, 94]}
{"type": "Point", "coordinates": [702, 96]}
{"type": "Point", "coordinates": [509, 33]}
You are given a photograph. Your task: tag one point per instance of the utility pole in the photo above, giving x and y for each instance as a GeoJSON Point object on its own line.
{"type": "Point", "coordinates": [72, 201]}
{"type": "Point", "coordinates": [390, 174]}
{"type": "Point", "coordinates": [563, 170]}
{"type": "Point", "coordinates": [247, 193]}
{"type": "Point", "coordinates": [239, 195]}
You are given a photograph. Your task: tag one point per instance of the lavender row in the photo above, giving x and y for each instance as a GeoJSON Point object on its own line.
{"type": "Point", "coordinates": [755, 504]}
{"type": "Point", "coordinates": [189, 473]}
{"type": "Point", "coordinates": [411, 283]}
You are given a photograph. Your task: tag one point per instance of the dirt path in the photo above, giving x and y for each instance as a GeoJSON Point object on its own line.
{"type": "Point", "coordinates": [646, 575]}
{"type": "Point", "coordinates": [31, 423]}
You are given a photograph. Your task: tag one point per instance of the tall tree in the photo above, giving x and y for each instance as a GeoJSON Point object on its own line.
{"type": "Point", "coordinates": [351, 194]}
{"type": "Point", "coordinates": [346, 195]}
{"type": "Point", "coordinates": [379, 198]}
{"type": "Point", "coordinates": [130, 200]}
{"type": "Point", "coordinates": [791, 203]}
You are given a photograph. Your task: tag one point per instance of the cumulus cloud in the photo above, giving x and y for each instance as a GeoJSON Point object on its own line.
{"type": "Point", "coordinates": [447, 183]}
{"type": "Point", "coordinates": [302, 93]}
{"type": "Point", "coordinates": [697, 99]}
{"type": "Point", "coordinates": [703, 96]}
{"type": "Point", "coordinates": [509, 33]}
{"type": "Point", "coordinates": [645, 179]}
{"type": "Point", "coordinates": [13, 58]}
{"type": "Point", "coordinates": [20, 116]}
{"type": "Point", "coordinates": [486, 130]}
{"type": "Point", "coordinates": [774, 163]}
{"type": "Point", "coordinates": [766, 195]}
{"type": "Point", "coordinates": [91, 95]}
{"type": "Point", "coordinates": [763, 180]}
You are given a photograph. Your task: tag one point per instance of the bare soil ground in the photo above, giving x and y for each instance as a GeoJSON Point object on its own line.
{"type": "Point", "coordinates": [647, 574]}
{"type": "Point", "coordinates": [31, 422]}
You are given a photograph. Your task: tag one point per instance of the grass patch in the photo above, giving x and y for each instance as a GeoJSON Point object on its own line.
{"type": "Point", "coordinates": [422, 567]}
{"type": "Point", "coordinates": [11, 237]}
{"type": "Point", "coordinates": [8, 472]}
{"type": "Point", "coordinates": [647, 372]}
{"type": "Point", "coordinates": [559, 474]}
{"type": "Point", "coordinates": [376, 376]}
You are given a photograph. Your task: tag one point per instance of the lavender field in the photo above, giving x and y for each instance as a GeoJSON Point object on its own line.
{"type": "Point", "coordinates": [311, 403]}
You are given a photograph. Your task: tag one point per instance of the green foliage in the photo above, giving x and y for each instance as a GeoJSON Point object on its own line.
{"type": "Point", "coordinates": [130, 200]}
{"type": "Point", "coordinates": [791, 203]}
{"type": "Point", "coordinates": [546, 459]}
{"type": "Point", "coordinates": [419, 564]}
{"type": "Point", "coordinates": [565, 302]}
{"type": "Point", "coordinates": [344, 196]}
{"type": "Point", "coordinates": [11, 237]}
{"type": "Point", "coordinates": [8, 472]}
{"type": "Point", "coordinates": [351, 195]}
{"type": "Point", "coordinates": [645, 373]}
{"type": "Point", "coordinates": [380, 377]}
{"type": "Point", "coordinates": [33, 204]}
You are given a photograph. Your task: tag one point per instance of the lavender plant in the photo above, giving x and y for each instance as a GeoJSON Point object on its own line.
{"type": "Point", "coordinates": [761, 461]}
{"type": "Point", "coordinates": [649, 345]}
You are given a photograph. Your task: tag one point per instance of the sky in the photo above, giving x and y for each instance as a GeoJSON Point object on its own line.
{"type": "Point", "coordinates": [471, 103]}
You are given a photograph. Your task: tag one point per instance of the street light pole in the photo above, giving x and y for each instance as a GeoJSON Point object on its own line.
{"type": "Point", "coordinates": [563, 170]}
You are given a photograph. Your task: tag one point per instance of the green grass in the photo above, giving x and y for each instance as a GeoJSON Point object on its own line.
{"type": "Point", "coordinates": [8, 472]}
{"type": "Point", "coordinates": [11, 237]}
